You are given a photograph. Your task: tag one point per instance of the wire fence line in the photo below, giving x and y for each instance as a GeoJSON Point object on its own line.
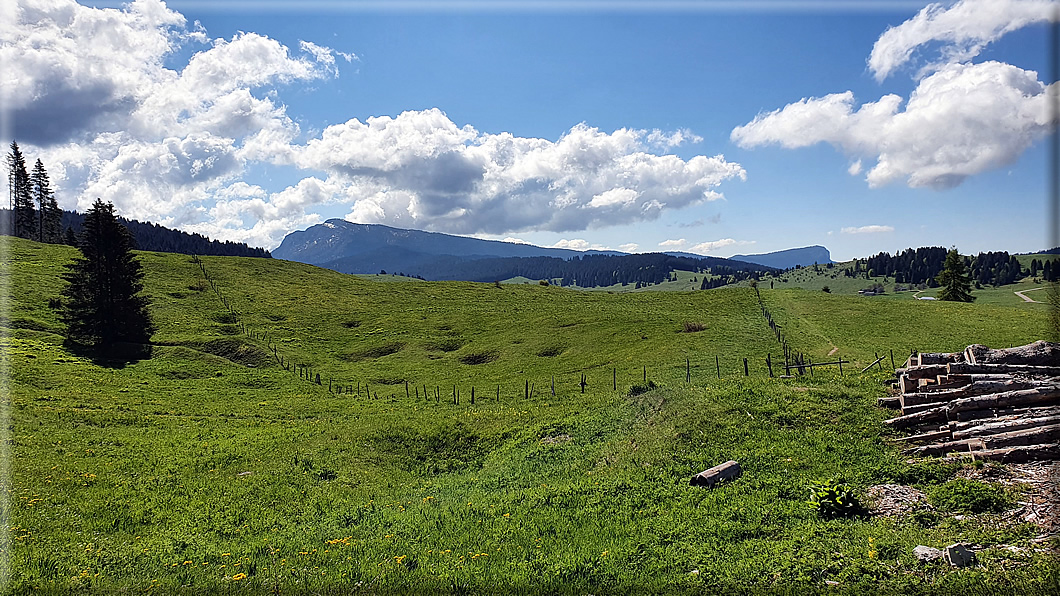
{"type": "Point", "coordinates": [794, 363]}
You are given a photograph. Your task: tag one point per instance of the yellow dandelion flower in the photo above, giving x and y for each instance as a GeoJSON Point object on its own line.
{"type": "Point", "coordinates": [239, 576]}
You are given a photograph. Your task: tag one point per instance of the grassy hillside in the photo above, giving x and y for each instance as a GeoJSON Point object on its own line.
{"type": "Point", "coordinates": [211, 468]}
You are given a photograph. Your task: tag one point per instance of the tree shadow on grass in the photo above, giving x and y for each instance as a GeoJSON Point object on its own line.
{"type": "Point", "coordinates": [117, 355]}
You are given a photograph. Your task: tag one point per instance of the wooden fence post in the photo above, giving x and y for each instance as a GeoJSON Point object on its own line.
{"type": "Point", "coordinates": [717, 363]}
{"type": "Point", "coordinates": [614, 379]}
{"type": "Point", "coordinates": [769, 364]}
{"type": "Point", "coordinates": [745, 373]}
{"type": "Point", "coordinates": [688, 371]}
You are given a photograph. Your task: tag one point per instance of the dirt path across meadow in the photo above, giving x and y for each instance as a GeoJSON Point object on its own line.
{"type": "Point", "coordinates": [1027, 299]}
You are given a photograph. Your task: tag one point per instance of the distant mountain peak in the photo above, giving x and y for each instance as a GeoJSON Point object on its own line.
{"type": "Point", "coordinates": [786, 259]}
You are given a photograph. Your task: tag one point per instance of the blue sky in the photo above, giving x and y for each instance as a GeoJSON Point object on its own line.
{"type": "Point", "coordinates": [499, 120]}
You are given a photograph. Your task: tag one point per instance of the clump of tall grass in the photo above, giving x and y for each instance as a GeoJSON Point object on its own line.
{"type": "Point", "coordinates": [693, 327]}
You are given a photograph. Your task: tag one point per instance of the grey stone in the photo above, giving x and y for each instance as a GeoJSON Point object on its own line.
{"type": "Point", "coordinates": [958, 555]}
{"type": "Point", "coordinates": [926, 553]}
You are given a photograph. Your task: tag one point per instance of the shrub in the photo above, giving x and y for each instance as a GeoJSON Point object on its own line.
{"type": "Point", "coordinates": [927, 472]}
{"type": "Point", "coordinates": [962, 495]}
{"type": "Point", "coordinates": [543, 282]}
{"type": "Point", "coordinates": [834, 498]}
{"type": "Point", "coordinates": [636, 390]}
{"type": "Point", "coordinates": [693, 327]}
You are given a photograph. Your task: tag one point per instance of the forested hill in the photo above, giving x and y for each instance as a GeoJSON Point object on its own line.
{"type": "Point", "coordinates": [922, 265]}
{"type": "Point", "coordinates": [153, 237]}
{"type": "Point", "coordinates": [585, 271]}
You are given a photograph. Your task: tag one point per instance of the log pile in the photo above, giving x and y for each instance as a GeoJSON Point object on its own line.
{"type": "Point", "coordinates": [999, 405]}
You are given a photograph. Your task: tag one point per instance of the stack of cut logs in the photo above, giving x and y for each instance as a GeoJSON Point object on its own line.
{"type": "Point", "coordinates": [999, 405]}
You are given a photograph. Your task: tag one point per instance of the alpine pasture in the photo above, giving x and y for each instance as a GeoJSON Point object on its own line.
{"type": "Point", "coordinates": [210, 468]}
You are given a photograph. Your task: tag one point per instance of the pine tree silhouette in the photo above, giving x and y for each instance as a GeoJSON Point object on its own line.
{"type": "Point", "coordinates": [102, 306]}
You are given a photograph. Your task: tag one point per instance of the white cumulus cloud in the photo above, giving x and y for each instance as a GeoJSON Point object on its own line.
{"type": "Point", "coordinates": [678, 243]}
{"type": "Point", "coordinates": [99, 96]}
{"type": "Point", "coordinates": [963, 118]}
{"type": "Point", "coordinates": [89, 92]}
{"type": "Point", "coordinates": [962, 30]}
{"type": "Point", "coordinates": [873, 229]}
{"type": "Point", "coordinates": [704, 248]}
{"type": "Point", "coordinates": [420, 169]}
{"type": "Point", "coordinates": [574, 244]}
{"type": "Point", "coordinates": [629, 247]}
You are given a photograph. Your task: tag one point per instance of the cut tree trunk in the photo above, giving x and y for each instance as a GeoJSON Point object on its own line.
{"type": "Point", "coordinates": [963, 368]}
{"type": "Point", "coordinates": [938, 358]}
{"type": "Point", "coordinates": [981, 403]}
{"type": "Point", "coordinates": [711, 476]}
{"type": "Point", "coordinates": [1032, 436]}
{"type": "Point", "coordinates": [1015, 455]}
{"type": "Point", "coordinates": [1008, 399]}
{"type": "Point", "coordinates": [928, 371]}
{"type": "Point", "coordinates": [1039, 353]}
{"type": "Point", "coordinates": [969, 390]}
{"type": "Point", "coordinates": [1006, 416]}
{"type": "Point", "coordinates": [928, 437]}
{"type": "Point", "coordinates": [1004, 426]}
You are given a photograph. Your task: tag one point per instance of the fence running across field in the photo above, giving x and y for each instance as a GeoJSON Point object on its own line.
{"type": "Point", "coordinates": [794, 362]}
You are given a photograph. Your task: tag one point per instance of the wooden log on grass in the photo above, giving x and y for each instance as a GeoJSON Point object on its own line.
{"type": "Point", "coordinates": [929, 437]}
{"type": "Point", "coordinates": [889, 402]}
{"type": "Point", "coordinates": [936, 449]}
{"type": "Point", "coordinates": [1030, 436]}
{"type": "Point", "coordinates": [928, 371]}
{"type": "Point", "coordinates": [926, 358]}
{"type": "Point", "coordinates": [1009, 415]}
{"type": "Point", "coordinates": [710, 477]}
{"type": "Point", "coordinates": [962, 368]}
{"type": "Point", "coordinates": [1016, 455]}
{"type": "Point", "coordinates": [969, 390]}
{"type": "Point", "coordinates": [1039, 353]}
{"type": "Point", "coordinates": [951, 410]}
{"type": "Point", "coordinates": [1045, 395]}
{"type": "Point", "coordinates": [1004, 426]}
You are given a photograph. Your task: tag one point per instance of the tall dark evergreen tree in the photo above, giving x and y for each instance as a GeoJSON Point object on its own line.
{"type": "Point", "coordinates": [103, 306]}
{"type": "Point", "coordinates": [956, 285]}
{"type": "Point", "coordinates": [21, 200]}
{"type": "Point", "coordinates": [49, 216]}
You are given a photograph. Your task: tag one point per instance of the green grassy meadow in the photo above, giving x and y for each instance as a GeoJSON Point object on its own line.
{"type": "Point", "coordinates": [209, 468]}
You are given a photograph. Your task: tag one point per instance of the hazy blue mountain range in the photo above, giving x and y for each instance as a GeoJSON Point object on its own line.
{"type": "Point", "coordinates": [339, 240]}
{"type": "Point", "coordinates": [786, 259]}
{"type": "Point", "coordinates": [370, 248]}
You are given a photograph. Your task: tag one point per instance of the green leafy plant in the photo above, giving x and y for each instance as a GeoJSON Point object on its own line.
{"type": "Point", "coordinates": [834, 498]}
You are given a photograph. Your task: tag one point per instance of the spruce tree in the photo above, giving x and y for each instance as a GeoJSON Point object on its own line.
{"type": "Point", "coordinates": [956, 286]}
{"type": "Point", "coordinates": [49, 217]}
{"type": "Point", "coordinates": [102, 306]}
{"type": "Point", "coordinates": [20, 199]}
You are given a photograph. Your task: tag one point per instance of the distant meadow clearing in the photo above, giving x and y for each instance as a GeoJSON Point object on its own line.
{"type": "Point", "coordinates": [211, 468]}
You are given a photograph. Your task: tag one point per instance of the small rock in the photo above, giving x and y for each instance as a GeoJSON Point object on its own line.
{"type": "Point", "coordinates": [926, 553]}
{"type": "Point", "coordinates": [958, 555]}
{"type": "Point", "coordinates": [694, 572]}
